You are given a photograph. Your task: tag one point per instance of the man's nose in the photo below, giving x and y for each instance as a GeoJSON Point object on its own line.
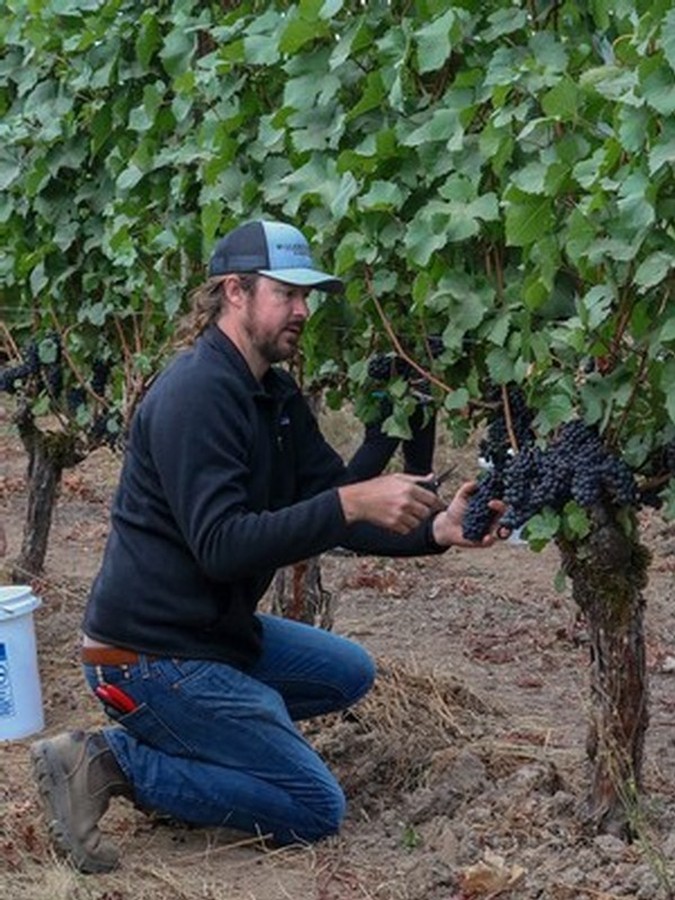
{"type": "Point", "coordinates": [301, 306]}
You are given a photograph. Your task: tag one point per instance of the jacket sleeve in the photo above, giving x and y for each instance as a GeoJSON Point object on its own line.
{"type": "Point", "coordinates": [322, 467]}
{"type": "Point", "coordinates": [199, 452]}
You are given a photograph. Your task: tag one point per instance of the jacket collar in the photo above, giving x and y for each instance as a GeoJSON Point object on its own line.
{"type": "Point", "coordinates": [276, 383]}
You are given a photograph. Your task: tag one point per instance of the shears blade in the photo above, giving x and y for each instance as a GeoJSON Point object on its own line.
{"type": "Point", "coordinates": [434, 484]}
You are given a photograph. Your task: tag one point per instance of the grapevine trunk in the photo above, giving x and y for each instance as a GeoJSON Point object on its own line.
{"type": "Point", "coordinates": [608, 570]}
{"type": "Point", "coordinates": [299, 594]}
{"type": "Point", "coordinates": [49, 453]}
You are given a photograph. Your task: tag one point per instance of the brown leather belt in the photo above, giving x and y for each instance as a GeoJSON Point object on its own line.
{"type": "Point", "coordinates": [108, 656]}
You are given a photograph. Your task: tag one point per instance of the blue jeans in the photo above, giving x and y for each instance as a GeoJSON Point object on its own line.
{"type": "Point", "coordinates": [212, 745]}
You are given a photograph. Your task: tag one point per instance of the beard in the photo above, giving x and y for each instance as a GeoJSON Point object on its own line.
{"type": "Point", "coordinates": [274, 351]}
{"type": "Point", "coordinates": [274, 348]}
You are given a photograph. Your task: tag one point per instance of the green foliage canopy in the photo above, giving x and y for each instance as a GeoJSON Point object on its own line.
{"type": "Point", "coordinates": [500, 174]}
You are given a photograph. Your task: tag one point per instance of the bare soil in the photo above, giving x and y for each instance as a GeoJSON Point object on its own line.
{"type": "Point", "coordinates": [465, 768]}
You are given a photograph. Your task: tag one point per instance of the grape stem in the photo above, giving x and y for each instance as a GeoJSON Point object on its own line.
{"type": "Point", "coordinates": [9, 341]}
{"type": "Point", "coordinates": [508, 419]}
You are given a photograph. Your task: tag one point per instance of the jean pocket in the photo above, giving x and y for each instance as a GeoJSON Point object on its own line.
{"type": "Point", "coordinates": [149, 728]}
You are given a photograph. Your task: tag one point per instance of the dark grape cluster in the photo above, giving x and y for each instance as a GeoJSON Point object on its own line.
{"type": "Point", "coordinates": [100, 372]}
{"type": "Point", "coordinates": [45, 375]}
{"type": "Point", "coordinates": [13, 377]}
{"type": "Point", "coordinates": [479, 516]}
{"type": "Point", "coordinates": [436, 345]}
{"type": "Point", "coordinates": [75, 398]}
{"type": "Point", "coordinates": [657, 470]}
{"type": "Point", "coordinates": [575, 466]}
{"type": "Point", "coordinates": [495, 447]}
{"type": "Point", "coordinates": [31, 357]}
{"type": "Point", "coordinates": [381, 367]}
{"type": "Point", "coordinates": [106, 428]}
{"type": "Point", "coordinates": [669, 457]}
{"type": "Point", "coordinates": [421, 389]}
{"type": "Point", "coordinates": [384, 366]}
{"type": "Point", "coordinates": [34, 373]}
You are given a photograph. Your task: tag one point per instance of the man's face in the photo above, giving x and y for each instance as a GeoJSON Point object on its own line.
{"type": "Point", "coordinates": [274, 318]}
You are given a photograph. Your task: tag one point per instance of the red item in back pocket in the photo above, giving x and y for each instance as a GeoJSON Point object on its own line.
{"type": "Point", "coordinates": [115, 697]}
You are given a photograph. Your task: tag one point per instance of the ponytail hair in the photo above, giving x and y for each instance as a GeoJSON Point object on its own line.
{"type": "Point", "coordinates": [207, 303]}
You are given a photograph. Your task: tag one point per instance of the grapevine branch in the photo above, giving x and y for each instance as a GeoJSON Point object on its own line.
{"type": "Point", "coordinates": [131, 382]}
{"type": "Point", "coordinates": [395, 341]}
{"type": "Point", "coordinates": [637, 385]}
{"type": "Point", "coordinates": [624, 319]}
{"type": "Point", "coordinates": [653, 484]}
{"type": "Point", "coordinates": [499, 275]}
{"type": "Point", "coordinates": [9, 340]}
{"type": "Point", "coordinates": [136, 384]}
{"type": "Point", "coordinates": [81, 380]}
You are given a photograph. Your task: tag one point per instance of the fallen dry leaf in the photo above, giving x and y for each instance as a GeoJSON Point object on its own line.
{"type": "Point", "coordinates": [491, 876]}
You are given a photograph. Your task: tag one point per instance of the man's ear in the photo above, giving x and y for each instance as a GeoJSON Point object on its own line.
{"type": "Point", "coordinates": [233, 290]}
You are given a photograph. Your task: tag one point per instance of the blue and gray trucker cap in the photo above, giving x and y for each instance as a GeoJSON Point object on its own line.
{"type": "Point", "coordinates": [274, 249]}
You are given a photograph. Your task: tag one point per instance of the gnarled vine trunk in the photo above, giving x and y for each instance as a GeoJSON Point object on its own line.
{"type": "Point", "coordinates": [608, 570]}
{"type": "Point", "coordinates": [297, 590]}
{"type": "Point", "coordinates": [299, 594]}
{"type": "Point", "coordinates": [49, 453]}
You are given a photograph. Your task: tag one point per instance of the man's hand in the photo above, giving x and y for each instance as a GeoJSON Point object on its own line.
{"type": "Point", "coordinates": [397, 502]}
{"type": "Point", "coordinates": [447, 527]}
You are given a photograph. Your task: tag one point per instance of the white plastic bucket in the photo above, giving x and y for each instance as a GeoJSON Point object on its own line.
{"type": "Point", "coordinates": [21, 710]}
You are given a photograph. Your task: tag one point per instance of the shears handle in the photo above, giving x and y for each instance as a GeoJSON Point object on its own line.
{"type": "Point", "coordinates": [434, 484]}
{"type": "Point", "coordinates": [115, 697]}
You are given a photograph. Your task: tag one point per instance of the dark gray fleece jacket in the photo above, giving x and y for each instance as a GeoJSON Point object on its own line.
{"type": "Point", "coordinates": [225, 479]}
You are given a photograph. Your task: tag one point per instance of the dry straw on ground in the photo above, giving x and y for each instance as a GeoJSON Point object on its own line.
{"type": "Point", "coordinates": [386, 744]}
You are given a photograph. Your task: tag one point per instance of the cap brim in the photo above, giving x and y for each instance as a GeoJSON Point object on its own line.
{"type": "Point", "coordinates": [311, 278]}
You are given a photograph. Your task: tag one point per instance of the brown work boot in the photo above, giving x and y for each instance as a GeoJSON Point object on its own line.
{"type": "Point", "coordinates": [77, 774]}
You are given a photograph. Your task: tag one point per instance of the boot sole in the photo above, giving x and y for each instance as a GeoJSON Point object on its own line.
{"type": "Point", "coordinates": [51, 782]}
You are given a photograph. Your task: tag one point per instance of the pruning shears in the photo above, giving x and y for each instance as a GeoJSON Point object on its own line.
{"type": "Point", "coordinates": [434, 484]}
{"type": "Point", "coordinates": [115, 698]}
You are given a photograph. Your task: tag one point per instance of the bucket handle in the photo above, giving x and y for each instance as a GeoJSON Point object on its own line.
{"type": "Point", "coordinates": [7, 613]}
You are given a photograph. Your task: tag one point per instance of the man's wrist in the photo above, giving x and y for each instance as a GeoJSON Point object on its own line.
{"type": "Point", "coordinates": [344, 497]}
{"type": "Point", "coordinates": [430, 535]}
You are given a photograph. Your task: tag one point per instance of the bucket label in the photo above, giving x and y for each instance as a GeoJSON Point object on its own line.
{"type": "Point", "coordinates": [6, 697]}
